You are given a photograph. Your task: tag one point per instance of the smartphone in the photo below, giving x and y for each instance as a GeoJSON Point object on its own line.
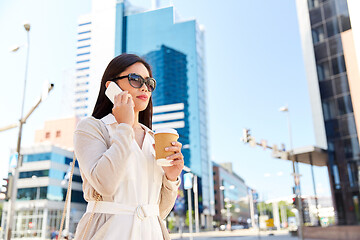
{"type": "Point", "coordinates": [112, 90]}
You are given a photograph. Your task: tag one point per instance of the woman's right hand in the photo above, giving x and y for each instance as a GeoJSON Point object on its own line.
{"type": "Point", "coordinates": [123, 109]}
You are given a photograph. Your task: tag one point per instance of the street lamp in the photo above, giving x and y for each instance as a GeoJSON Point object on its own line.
{"type": "Point", "coordinates": [227, 205]}
{"type": "Point", "coordinates": [22, 120]}
{"type": "Point", "coordinates": [295, 173]}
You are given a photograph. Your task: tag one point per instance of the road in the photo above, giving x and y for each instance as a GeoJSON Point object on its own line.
{"type": "Point", "coordinates": [241, 238]}
{"type": "Point", "coordinates": [238, 235]}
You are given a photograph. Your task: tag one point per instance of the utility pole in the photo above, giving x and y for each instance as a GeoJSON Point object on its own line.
{"type": "Point", "coordinates": [12, 200]}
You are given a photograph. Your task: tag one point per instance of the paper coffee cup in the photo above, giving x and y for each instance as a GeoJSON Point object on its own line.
{"type": "Point", "coordinates": [163, 138]}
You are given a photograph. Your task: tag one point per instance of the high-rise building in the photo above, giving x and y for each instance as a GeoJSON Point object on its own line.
{"type": "Point", "coordinates": [82, 73]}
{"type": "Point", "coordinates": [330, 32]}
{"type": "Point", "coordinates": [175, 51]}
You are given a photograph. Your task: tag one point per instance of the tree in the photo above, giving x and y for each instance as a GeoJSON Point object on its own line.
{"type": "Point", "coordinates": [187, 217]}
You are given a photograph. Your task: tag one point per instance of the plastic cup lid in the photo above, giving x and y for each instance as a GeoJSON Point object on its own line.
{"type": "Point", "coordinates": [166, 130]}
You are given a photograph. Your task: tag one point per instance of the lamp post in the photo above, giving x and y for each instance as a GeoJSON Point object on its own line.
{"type": "Point", "coordinates": [295, 174]}
{"type": "Point", "coordinates": [227, 206]}
{"type": "Point", "coordinates": [22, 120]}
{"type": "Point", "coordinates": [12, 200]}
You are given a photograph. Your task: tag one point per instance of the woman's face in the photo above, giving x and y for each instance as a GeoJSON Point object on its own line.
{"type": "Point", "coordinates": [141, 96]}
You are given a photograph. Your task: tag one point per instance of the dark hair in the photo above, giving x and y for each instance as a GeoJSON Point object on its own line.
{"type": "Point", "coordinates": [118, 65]}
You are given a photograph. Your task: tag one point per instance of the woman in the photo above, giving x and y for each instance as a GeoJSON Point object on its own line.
{"type": "Point", "coordinates": [115, 151]}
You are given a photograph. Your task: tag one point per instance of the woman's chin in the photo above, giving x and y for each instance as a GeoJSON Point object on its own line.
{"type": "Point", "coordinates": [140, 108]}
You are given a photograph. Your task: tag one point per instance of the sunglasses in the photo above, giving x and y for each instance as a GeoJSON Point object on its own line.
{"type": "Point", "coordinates": [136, 81]}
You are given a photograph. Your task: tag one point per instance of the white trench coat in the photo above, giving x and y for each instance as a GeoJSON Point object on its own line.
{"type": "Point", "coordinates": [136, 195]}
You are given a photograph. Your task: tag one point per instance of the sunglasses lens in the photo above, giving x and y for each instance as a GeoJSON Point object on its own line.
{"type": "Point", "coordinates": [151, 84]}
{"type": "Point", "coordinates": [135, 80]}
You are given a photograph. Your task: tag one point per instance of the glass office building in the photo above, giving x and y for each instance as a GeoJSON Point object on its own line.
{"type": "Point", "coordinates": [42, 191]}
{"type": "Point", "coordinates": [175, 51]}
{"type": "Point", "coordinates": [333, 76]}
{"type": "Point", "coordinates": [231, 197]}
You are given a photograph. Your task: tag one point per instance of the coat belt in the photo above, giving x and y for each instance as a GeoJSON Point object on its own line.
{"type": "Point", "coordinates": [140, 212]}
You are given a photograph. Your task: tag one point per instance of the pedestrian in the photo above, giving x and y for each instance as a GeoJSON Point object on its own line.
{"type": "Point", "coordinates": [53, 234]}
{"type": "Point", "coordinates": [128, 194]}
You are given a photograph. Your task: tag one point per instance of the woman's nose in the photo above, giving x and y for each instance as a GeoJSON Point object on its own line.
{"type": "Point", "coordinates": [144, 87]}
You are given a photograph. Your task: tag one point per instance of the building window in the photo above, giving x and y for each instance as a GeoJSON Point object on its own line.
{"type": "Point", "coordinates": [38, 173]}
{"type": "Point", "coordinates": [323, 71]}
{"type": "Point", "coordinates": [326, 89]}
{"type": "Point", "coordinates": [84, 39]}
{"type": "Point", "coordinates": [329, 109]}
{"type": "Point", "coordinates": [351, 148]}
{"type": "Point", "coordinates": [313, 4]}
{"type": "Point", "coordinates": [344, 105]}
{"type": "Point", "coordinates": [58, 133]}
{"type": "Point", "coordinates": [332, 27]}
{"type": "Point", "coordinates": [338, 65]}
{"type": "Point", "coordinates": [37, 157]}
{"type": "Point", "coordinates": [83, 24]}
{"type": "Point", "coordinates": [47, 135]}
{"type": "Point", "coordinates": [318, 34]}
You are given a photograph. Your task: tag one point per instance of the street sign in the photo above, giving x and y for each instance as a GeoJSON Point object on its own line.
{"type": "Point", "coordinates": [188, 180]}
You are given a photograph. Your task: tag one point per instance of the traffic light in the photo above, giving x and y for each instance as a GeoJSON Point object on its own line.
{"type": "Point", "coordinates": [246, 135]}
{"type": "Point", "coordinates": [295, 202]}
{"type": "Point", "coordinates": [6, 187]}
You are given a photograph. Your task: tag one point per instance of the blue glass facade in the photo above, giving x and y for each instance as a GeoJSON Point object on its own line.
{"type": "Point", "coordinates": [328, 20]}
{"type": "Point", "coordinates": [175, 52]}
{"type": "Point", "coordinates": [50, 192]}
{"type": "Point", "coordinates": [169, 64]}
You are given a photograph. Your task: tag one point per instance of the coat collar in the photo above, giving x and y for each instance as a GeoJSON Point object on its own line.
{"type": "Point", "coordinates": [110, 119]}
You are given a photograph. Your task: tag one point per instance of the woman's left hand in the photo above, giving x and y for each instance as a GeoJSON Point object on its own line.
{"type": "Point", "coordinates": [177, 158]}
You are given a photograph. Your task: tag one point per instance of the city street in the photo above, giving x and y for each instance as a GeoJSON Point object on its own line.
{"type": "Point", "coordinates": [239, 234]}
{"type": "Point", "coordinates": [246, 238]}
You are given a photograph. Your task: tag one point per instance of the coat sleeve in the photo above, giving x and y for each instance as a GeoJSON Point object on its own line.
{"type": "Point", "coordinates": [101, 165]}
{"type": "Point", "coordinates": [168, 195]}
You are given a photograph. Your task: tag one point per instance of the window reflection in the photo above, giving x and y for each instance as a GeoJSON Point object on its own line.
{"type": "Point", "coordinates": [329, 9]}
{"type": "Point", "coordinates": [341, 84]}
{"type": "Point", "coordinates": [54, 193]}
{"type": "Point", "coordinates": [321, 51]}
{"type": "Point", "coordinates": [351, 148]}
{"type": "Point", "coordinates": [329, 109]}
{"type": "Point", "coordinates": [336, 177]}
{"type": "Point", "coordinates": [344, 105]}
{"type": "Point", "coordinates": [326, 89]}
{"type": "Point", "coordinates": [335, 45]}
{"type": "Point", "coordinates": [315, 16]}
{"type": "Point", "coordinates": [344, 23]}
{"type": "Point", "coordinates": [338, 65]}
{"type": "Point", "coordinates": [39, 173]}
{"type": "Point", "coordinates": [318, 34]}
{"type": "Point", "coordinates": [323, 71]}
{"type": "Point", "coordinates": [332, 128]}
{"type": "Point", "coordinates": [332, 27]}
{"type": "Point", "coordinates": [348, 126]}
{"type": "Point", "coordinates": [313, 3]}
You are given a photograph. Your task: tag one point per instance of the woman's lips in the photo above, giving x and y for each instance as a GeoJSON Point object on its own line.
{"type": "Point", "coordinates": [143, 97]}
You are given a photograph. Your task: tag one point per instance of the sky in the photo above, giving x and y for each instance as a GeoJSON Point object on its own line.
{"type": "Point", "coordinates": [254, 66]}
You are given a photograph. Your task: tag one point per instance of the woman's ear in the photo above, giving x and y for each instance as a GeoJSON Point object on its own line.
{"type": "Point", "coordinates": [107, 84]}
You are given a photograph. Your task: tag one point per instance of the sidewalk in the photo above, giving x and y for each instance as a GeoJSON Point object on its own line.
{"type": "Point", "coordinates": [245, 234]}
{"type": "Point", "coordinates": [234, 233]}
